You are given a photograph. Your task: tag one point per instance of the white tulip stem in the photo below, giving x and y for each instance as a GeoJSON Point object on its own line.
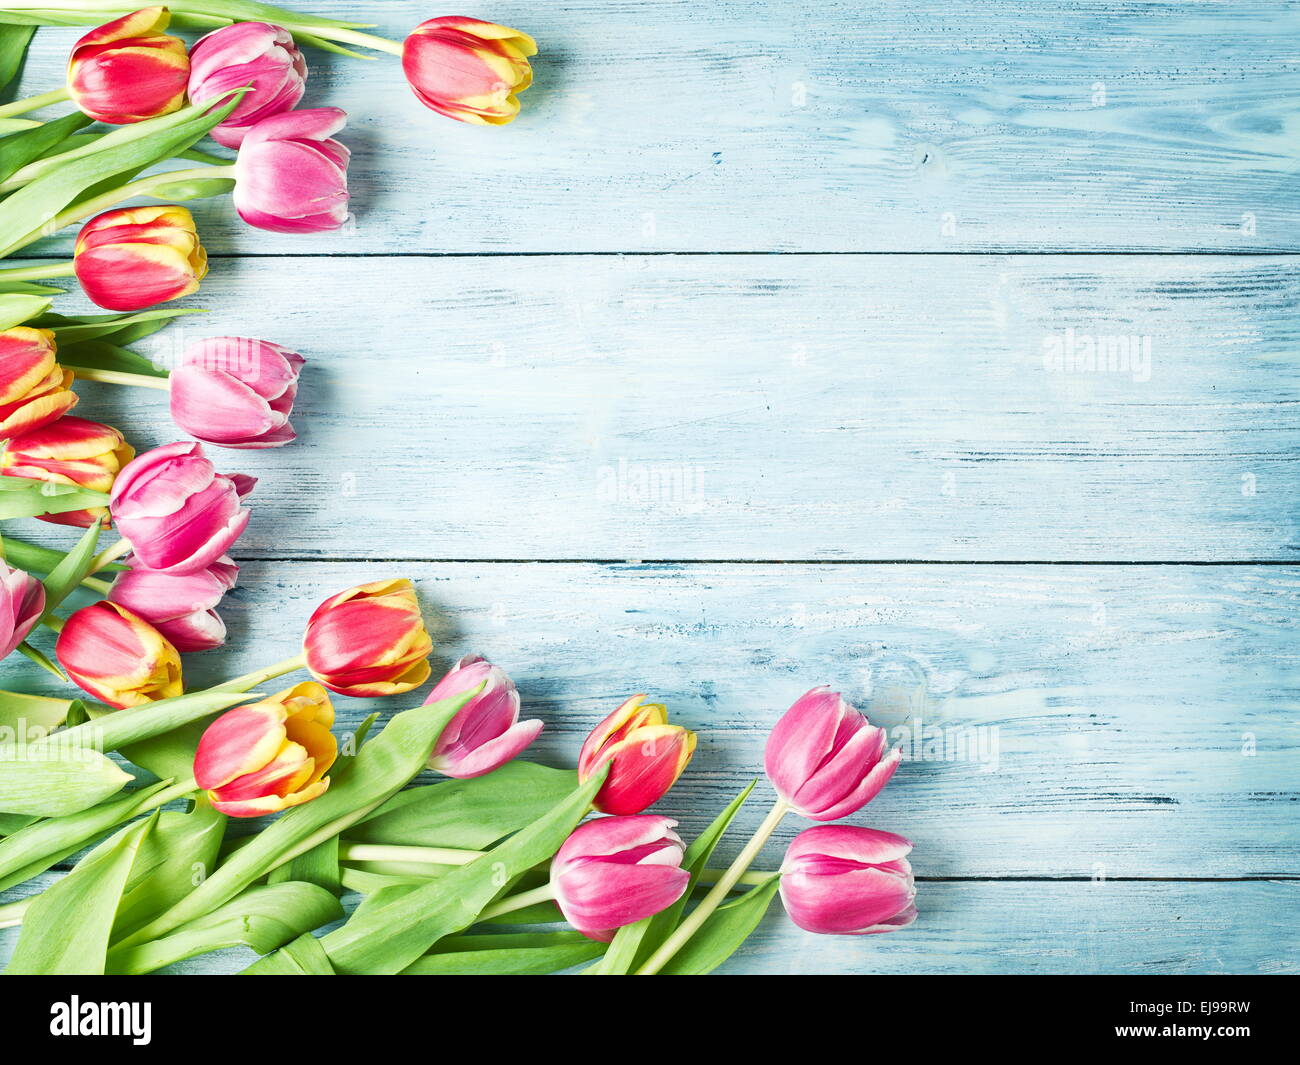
{"type": "Point", "coordinates": [117, 377]}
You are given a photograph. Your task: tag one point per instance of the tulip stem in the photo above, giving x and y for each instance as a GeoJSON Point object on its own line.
{"type": "Point", "coordinates": [34, 103]}
{"type": "Point", "coordinates": [365, 40]}
{"type": "Point", "coordinates": [109, 555]}
{"type": "Point", "coordinates": [115, 377]}
{"type": "Point", "coordinates": [717, 894]}
{"type": "Point", "coordinates": [39, 273]}
{"type": "Point", "coordinates": [252, 680]}
{"type": "Point", "coordinates": [517, 902]}
{"type": "Point", "coordinates": [373, 852]}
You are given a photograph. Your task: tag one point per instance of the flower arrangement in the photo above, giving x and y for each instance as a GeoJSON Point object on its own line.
{"type": "Point", "coordinates": [501, 842]}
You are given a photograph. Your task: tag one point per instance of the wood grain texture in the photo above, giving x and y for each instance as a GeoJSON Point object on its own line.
{"type": "Point", "coordinates": [915, 125]}
{"type": "Point", "coordinates": [761, 407]}
{"type": "Point", "coordinates": [1076, 720]}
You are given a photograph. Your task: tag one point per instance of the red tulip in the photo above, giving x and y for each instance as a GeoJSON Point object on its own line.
{"type": "Point", "coordinates": [118, 657]}
{"type": "Point", "coordinates": [646, 755]}
{"type": "Point", "coordinates": [70, 451]}
{"type": "Point", "coordinates": [34, 388]}
{"type": "Point", "coordinates": [467, 69]}
{"type": "Point", "coordinates": [369, 640]}
{"type": "Point", "coordinates": [134, 257]}
{"type": "Point", "coordinates": [128, 70]}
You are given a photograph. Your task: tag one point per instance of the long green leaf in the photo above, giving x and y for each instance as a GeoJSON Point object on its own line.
{"type": "Point", "coordinates": [72, 569]}
{"type": "Point", "coordinates": [22, 497]}
{"type": "Point", "coordinates": [88, 12]}
{"type": "Point", "coordinates": [102, 355]}
{"type": "Point", "coordinates": [52, 782]}
{"type": "Point", "coordinates": [723, 932]}
{"type": "Point", "coordinates": [119, 728]}
{"type": "Point", "coordinates": [36, 559]}
{"type": "Point", "coordinates": [489, 957]}
{"type": "Point", "coordinates": [13, 50]}
{"type": "Point", "coordinates": [19, 149]}
{"type": "Point", "coordinates": [69, 331]}
{"type": "Point", "coordinates": [379, 770]}
{"type": "Point", "coordinates": [27, 717]}
{"type": "Point", "coordinates": [65, 931]}
{"type": "Point", "coordinates": [15, 309]}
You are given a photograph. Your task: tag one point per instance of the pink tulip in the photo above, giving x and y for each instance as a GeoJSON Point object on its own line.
{"type": "Point", "coordinates": [179, 515]}
{"type": "Point", "coordinates": [615, 871]}
{"type": "Point", "coordinates": [253, 54]}
{"type": "Point", "coordinates": [236, 392]}
{"type": "Point", "coordinates": [22, 602]}
{"type": "Point", "coordinates": [291, 175]}
{"type": "Point", "coordinates": [486, 733]}
{"type": "Point", "coordinates": [181, 607]}
{"type": "Point", "coordinates": [826, 759]}
{"type": "Point", "coordinates": [845, 880]}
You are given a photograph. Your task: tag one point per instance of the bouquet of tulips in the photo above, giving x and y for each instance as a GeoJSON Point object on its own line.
{"type": "Point", "coordinates": [141, 778]}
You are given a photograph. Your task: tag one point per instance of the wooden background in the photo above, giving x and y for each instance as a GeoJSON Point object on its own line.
{"type": "Point", "coordinates": [720, 374]}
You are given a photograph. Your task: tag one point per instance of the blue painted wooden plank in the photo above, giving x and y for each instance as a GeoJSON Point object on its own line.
{"type": "Point", "coordinates": [762, 407]}
{"type": "Point", "coordinates": [893, 125]}
{"type": "Point", "coordinates": [1057, 720]}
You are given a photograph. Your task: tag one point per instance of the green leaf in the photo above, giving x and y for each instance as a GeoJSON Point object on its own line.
{"type": "Point", "coordinates": [41, 845]}
{"type": "Point", "coordinates": [391, 937]}
{"type": "Point", "coordinates": [118, 728]}
{"type": "Point", "coordinates": [69, 331]}
{"type": "Point", "coordinates": [36, 559]}
{"type": "Point", "coordinates": [319, 866]}
{"type": "Point", "coordinates": [101, 355]}
{"type": "Point", "coordinates": [53, 781]}
{"type": "Point", "coordinates": [13, 50]}
{"type": "Point", "coordinates": [304, 957]}
{"type": "Point", "coordinates": [28, 288]}
{"type": "Point", "coordinates": [15, 309]}
{"type": "Point", "coordinates": [467, 814]}
{"type": "Point", "coordinates": [197, 189]}
{"type": "Point", "coordinates": [262, 918]}
{"type": "Point", "coordinates": [41, 659]}
{"type": "Point", "coordinates": [65, 931]}
{"type": "Point", "coordinates": [24, 718]}
{"type": "Point", "coordinates": [379, 770]}
{"type": "Point", "coordinates": [23, 497]}
{"type": "Point", "coordinates": [19, 149]}
{"type": "Point", "coordinates": [11, 823]}
{"type": "Point", "coordinates": [493, 955]}
{"type": "Point", "coordinates": [722, 933]}
{"type": "Point", "coordinates": [72, 569]}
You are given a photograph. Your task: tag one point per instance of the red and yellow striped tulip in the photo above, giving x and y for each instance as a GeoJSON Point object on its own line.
{"type": "Point", "coordinates": [118, 657]}
{"type": "Point", "coordinates": [268, 756]}
{"type": "Point", "coordinates": [128, 70]}
{"type": "Point", "coordinates": [467, 69]}
{"type": "Point", "coordinates": [369, 640]}
{"type": "Point", "coordinates": [34, 388]}
{"type": "Point", "coordinates": [135, 257]}
{"type": "Point", "coordinates": [646, 755]}
{"type": "Point", "coordinates": [70, 451]}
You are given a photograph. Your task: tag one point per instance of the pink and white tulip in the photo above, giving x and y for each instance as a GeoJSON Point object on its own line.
{"type": "Point", "coordinates": [826, 759]}
{"type": "Point", "coordinates": [486, 732]}
{"type": "Point", "coordinates": [291, 176]}
{"type": "Point", "coordinates": [181, 607]}
{"type": "Point", "coordinates": [846, 880]}
{"type": "Point", "coordinates": [22, 602]}
{"type": "Point", "coordinates": [179, 515]}
{"type": "Point", "coordinates": [255, 54]}
{"type": "Point", "coordinates": [614, 871]}
{"type": "Point", "coordinates": [236, 392]}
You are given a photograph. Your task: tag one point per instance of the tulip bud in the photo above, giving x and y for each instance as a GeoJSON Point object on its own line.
{"type": "Point", "coordinates": [34, 388]}
{"type": "Point", "coordinates": [70, 451]}
{"type": "Point", "coordinates": [486, 732]}
{"type": "Point", "coordinates": [369, 640]}
{"type": "Point", "coordinates": [22, 602]}
{"type": "Point", "coordinates": [468, 70]}
{"type": "Point", "coordinates": [179, 514]}
{"type": "Point", "coordinates": [846, 880]}
{"type": "Point", "coordinates": [118, 657]}
{"type": "Point", "coordinates": [236, 392]}
{"type": "Point", "coordinates": [134, 257]}
{"type": "Point", "coordinates": [181, 607]}
{"type": "Point", "coordinates": [128, 70]}
{"type": "Point", "coordinates": [826, 759]}
{"type": "Point", "coordinates": [646, 755]}
{"type": "Point", "coordinates": [254, 54]}
{"type": "Point", "coordinates": [268, 756]}
{"type": "Point", "coordinates": [291, 176]}
{"type": "Point", "coordinates": [615, 871]}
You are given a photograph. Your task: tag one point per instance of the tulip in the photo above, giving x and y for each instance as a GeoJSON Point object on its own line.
{"type": "Point", "coordinates": [486, 732]}
{"type": "Point", "coordinates": [134, 257]}
{"type": "Point", "coordinates": [615, 871]}
{"type": "Point", "coordinates": [846, 880]}
{"type": "Point", "coordinates": [236, 392]}
{"type": "Point", "coordinates": [646, 755]}
{"type": "Point", "coordinates": [369, 640]}
{"type": "Point", "coordinates": [825, 759]}
{"type": "Point", "coordinates": [128, 70]}
{"type": "Point", "coordinates": [181, 607]}
{"type": "Point", "coordinates": [291, 176]}
{"type": "Point", "coordinates": [34, 388]}
{"type": "Point", "coordinates": [118, 657]}
{"type": "Point", "coordinates": [178, 513]}
{"type": "Point", "coordinates": [71, 451]}
{"type": "Point", "coordinates": [254, 54]}
{"type": "Point", "coordinates": [468, 70]}
{"type": "Point", "coordinates": [268, 756]}
{"type": "Point", "coordinates": [22, 602]}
